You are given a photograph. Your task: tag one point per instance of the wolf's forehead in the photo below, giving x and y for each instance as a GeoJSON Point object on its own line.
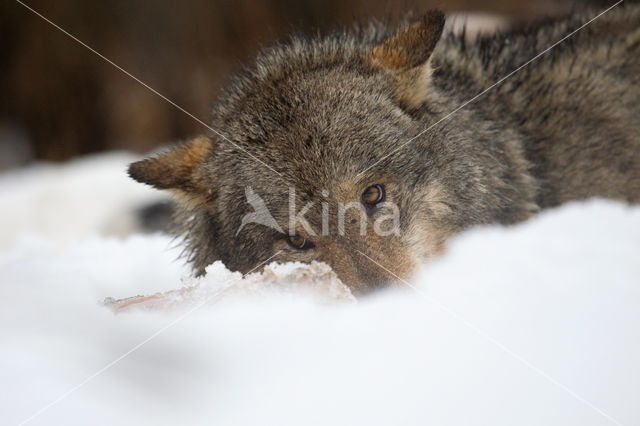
{"type": "Point", "coordinates": [316, 132]}
{"type": "Point", "coordinates": [315, 156]}
{"type": "Point", "coordinates": [314, 90]}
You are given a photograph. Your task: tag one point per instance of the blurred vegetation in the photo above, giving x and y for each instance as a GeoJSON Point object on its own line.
{"type": "Point", "coordinates": [62, 100]}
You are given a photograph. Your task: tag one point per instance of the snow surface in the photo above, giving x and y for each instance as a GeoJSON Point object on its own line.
{"type": "Point", "coordinates": [537, 324]}
{"type": "Point", "coordinates": [89, 196]}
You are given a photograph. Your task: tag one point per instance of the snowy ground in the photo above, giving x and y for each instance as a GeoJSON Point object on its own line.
{"type": "Point", "coordinates": [534, 325]}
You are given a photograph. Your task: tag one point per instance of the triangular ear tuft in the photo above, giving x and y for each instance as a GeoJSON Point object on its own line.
{"type": "Point", "coordinates": [406, 55]}
{"type": "Point", "coordinates": [176, 168]}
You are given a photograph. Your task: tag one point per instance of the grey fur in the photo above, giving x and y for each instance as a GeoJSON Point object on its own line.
{"type": "Point", "coordinates": [320, 111]}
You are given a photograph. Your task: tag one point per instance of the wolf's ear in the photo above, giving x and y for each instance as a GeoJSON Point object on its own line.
{"type": "Point", "coordinates": [406, 55]}
{"type": "Point", "coordinates": [176, 168]}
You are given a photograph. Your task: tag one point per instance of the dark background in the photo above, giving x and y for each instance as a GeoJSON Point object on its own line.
{"type": "Point", "coordinates": [59, 100]}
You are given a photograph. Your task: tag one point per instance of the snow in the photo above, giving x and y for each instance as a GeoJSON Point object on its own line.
{"type": "Point", "coordinates": [93, 195]}
{"type": "Point", "coordinates": [529, 325]}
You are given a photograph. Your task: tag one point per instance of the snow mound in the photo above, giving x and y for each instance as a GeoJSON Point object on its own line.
{"type": "Point", "coordinates": [527, 325]}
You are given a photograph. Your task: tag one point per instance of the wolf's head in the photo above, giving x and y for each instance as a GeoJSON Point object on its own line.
{"type": "Point", "coordinates": [312, 158]}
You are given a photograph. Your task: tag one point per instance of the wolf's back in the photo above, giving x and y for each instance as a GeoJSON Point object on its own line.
{"type": "Point", "coordinates": [582, 105]}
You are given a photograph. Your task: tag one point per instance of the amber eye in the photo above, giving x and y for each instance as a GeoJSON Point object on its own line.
{"type": "Point", "coordinates": [373, 195]}
{"type": "Point", "coordinates": [299, 243]}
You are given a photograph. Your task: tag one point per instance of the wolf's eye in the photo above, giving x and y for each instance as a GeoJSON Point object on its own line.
{"type": "Point", "coordinates": [373, 195]}
{"type": "Point", "coordinates": [299, 243]}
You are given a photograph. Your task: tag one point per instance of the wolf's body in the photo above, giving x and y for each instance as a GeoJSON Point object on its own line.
{"type": "Point", "coordinates": [576, 108]}
{"type": "Point", "coordinates": [334, 117]}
